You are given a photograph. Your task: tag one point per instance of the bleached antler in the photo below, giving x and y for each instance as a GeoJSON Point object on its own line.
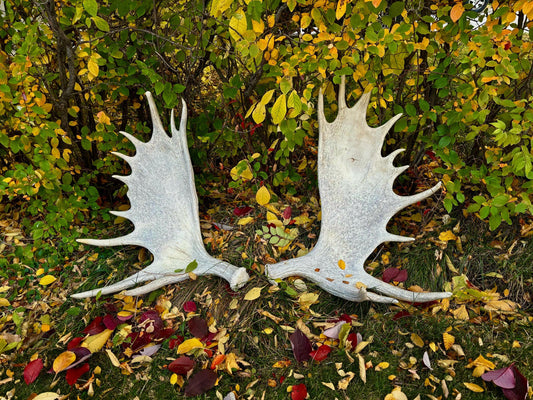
{"type": "Point", "coordinates": [355, 185]}
{"type": "Point", "coordinates": [164, 211]}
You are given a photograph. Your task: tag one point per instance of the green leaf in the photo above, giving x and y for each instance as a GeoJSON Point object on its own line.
{"type": "Point", "coordinates": [101, 23]}
{"type": "Point", "coordinates": [192, 266]}
{"type": "Point", "coordinates": [91, 6]}
{"type": "Point", "coordinates": [500, 200]}
{"type": "Point", "coordinates": [279, 109]}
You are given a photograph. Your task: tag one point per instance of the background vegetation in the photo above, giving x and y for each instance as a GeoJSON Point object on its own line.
{"type": "Point", "coordinates": [73, 74]}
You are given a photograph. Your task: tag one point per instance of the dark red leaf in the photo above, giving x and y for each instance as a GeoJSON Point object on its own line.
{"type": "Point", "coordinates": [164, 333]}
{"type": "Point", "coordinates": [198, 327]}
{"type": "Point", "coordinates": [96, 326]}
{"type": "Point", "coordinates": [401, 314]}
{"type": "Point", "coordinates": [394, 274]}
{"type": "Point", "coordinates": [301, 346]}
{"type": "Point", "coordinates": [74, 343]}
{"type": "Point", "coordinates": [32, 370]}
{"type": "Point", "coordinates": [181, 365]}
{"type": "Point", "coordinates": [200, 382]}
{"type": "Point", "coordinates": [74, 373]}
{"type": "Point", "coordinates": [82, 354]}
{"type": "Point", "coordinates": [352, 338]}
{"type": "Point", "coordinates": [287, 213]}
{"type": "Point", "coordinates": [209, 337]}
{"type": "Point", "coordinates": [321, 353]}
{"type": "Point", "coordinates": [242, 210]}
{"type": "Point", "coordinates": [299, 392]}
{"type": "Point", "coordinates": [154, 324]}
{"type": "Point", "coordinates": [175, 342]}
{"type": "Point", "coordinates": [136, 340]}
{"type": "Point", "coordinates": [189, 306]}
{"type": "Point", "coordinates": [110, 322]}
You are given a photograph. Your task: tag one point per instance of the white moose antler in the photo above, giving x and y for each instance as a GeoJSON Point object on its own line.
{"type": "Point", "coordinates": [355, 184]}
{"type": "Point", "coordinates": [164, 211]}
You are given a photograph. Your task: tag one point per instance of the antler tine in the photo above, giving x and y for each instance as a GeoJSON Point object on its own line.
{"type": "Point", "coordinates": [342, 94]}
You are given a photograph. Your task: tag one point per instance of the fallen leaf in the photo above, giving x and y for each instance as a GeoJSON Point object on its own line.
{"type": "Point", "coordinates": [188, 345]}
{"type": "Point", "coordinates": [299, 392]}
{"type": "Point", "coordinates": [262, 196]}
{"type": "Point", "coordinates": [113, 358]}
{"type": "Point", "coordinates": [198, 327]}
{"type": "Point", "coordinates": [75, 373]}
{"type": "Point", "coordinates": [394, 274]}
{"type": "Point", "coordinates": [396, 394]}
{"type": "Point", "coordinates": [334, 331]}
{"type": "Point", "coordinates": [362, 367]}
{"type": "Point", "coordinates": [253, 293]}
{"type": "Point", "coordinates": [447, 236]}
{"type": "Point", "coordinates": [329, 385]}
{"type": "Point", "coordinates": [95, 342]}
{"type": "Point", "coordinates": [96, 326]}
{"type": "Point", "coordinates": [189, 306]}
{"type": "Point", "coordinates": [32, 370]}
{"type": "Point", "coordinates": [417, 340]}
{"type": "Point", "coordinates": [200, 382]}
{"type": "Point", "coordinates": [321, 353]}
{"type": "Point", "coordinates": [245, 221]}
{"type": "Point", "coordinates": [426, 361]}
{"type": "Point", "coordinates": [448, 340]}
{"type": "Point", "coordinates": [307, 299]}
{"type": "Point", "coordinates": [47, 279]}
{"type": "Point", "coordinates": [63, 360]}
{"type": "Point", "coordinates": [301, 346]}
{"type": "Point", "coordinates": [182, 365]}
{"type": "Point", "coordinates": [473, 387]}
{"type": "Point", "coordinates": [344, 382]}
{"type": "Point", "coordinates": [47, 396]}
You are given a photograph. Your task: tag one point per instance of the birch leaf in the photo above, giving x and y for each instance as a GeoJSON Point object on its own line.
{"type": "Point", "coordinates": [253, 294]}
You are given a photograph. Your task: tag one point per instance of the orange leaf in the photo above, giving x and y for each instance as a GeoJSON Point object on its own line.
{"type": "Point", "coordinates": [217, 360]}
{"type": "Point", "coordinates": [456, 12]}
{"type": "Point", "coordinates": [63, 360]}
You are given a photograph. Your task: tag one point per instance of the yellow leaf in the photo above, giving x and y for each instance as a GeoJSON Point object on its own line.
{"type": "Point", "coordinates": [342, 264]}
{"type": "Point", "coordinates": [446, 236]}
{"type": "Point", "coordinates": [46, 280]}
{"type": "Point", "coordinates": [189, 344]}
{"type": "Point", "coordinates": [262, 196]}
{"type": "Point", "coordinates": [238, 25]}
{"type": "Point", "coordinates": [268, 331]}
{"type": "Point", "coordinates": [173, 379]}
{"type": "Point", "coordinates": [219, 6]}
{"type": "Point", "coordinates": [113, 358]}
{"type": "Point", "coordinates": [461, 313]}
{"type": "Point", "coordinates": [253, 294]}
{"type": "Point", "coordinates": [456, 11]}
{"type": "Point", "coordinates": [4, 302]}
{"type": "Point", "coordinates": [95, 342]}
{"type": "Point", "coordinates": [328, 385]}
{"type": "Point", "coordinates": [344, 382]}
{"type": "Point", "coordinates": [396, 394]}
{"type": "Point", "coordinates": [267, 97]}
{"type": "Point", "coordinates": [47, 396]}
{"type": "Point", "coordinates": [63, 360]}
{"type": "Point", "coordinates": [40, 271]}
{"type": "Point", "coordinates": [307, 299]}
{"type": "Point", "coordinates": [362, 367]}
{"type": "Point", "coordinates": [245, 220]}
{"type": "Point", "coordinates": [231, 363]}
{"type": "Point", "coordinates": [259, 113]}
{"type": "Point", "coordinates": [473, 387]}
{"type": "Point", "coordinates": [246, 174]}
{"type": "Point", "coordinates": [382, 365]}
{"type": "Point", "coordinates": [341, 9]}
{"type": "Point", "coordinates": [501, 305]}
{"type": "Point", "coordinates": [93, 68]}
{"type": "Point", "coordinates": [448, 340]}
{"type": "Point", "coordinates": [279, 109]}
{"type": "Point", "coordinates": [417, 340]}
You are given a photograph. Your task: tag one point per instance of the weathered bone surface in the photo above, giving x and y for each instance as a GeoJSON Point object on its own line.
{"type": "Point", "coordinates": [355, 184]}
{"type": "Point", "coordinates": [164, 211]}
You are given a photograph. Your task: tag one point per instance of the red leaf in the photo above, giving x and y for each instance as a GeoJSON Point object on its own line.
{"type": "Point", "coordinates": [189, 306]}
{"type": "Point", "coordinates": [164, 333]}
{"type": "Point", "coordinates": [394, 274]}
{"type": "Point", "coordinates": [74, 343]}
{"type": "Point", "coordinates": [301, 346]}
{"type": "Point", "coordinates": [96, 326]}
{"type": "Point", "coordinates": [154, 324]}
{"type": "Point", "coordinates": [32, 370]}
{"type": "Point", "coordinates": [321, 353]}
{"type": "Point", "coordinates": [198, 327]}
{"type": "Point", "coordinates": [503, 377]}
{"type": "Point", "coordinates": [175, 342]}
{"type": "Point", "coordinates": [352, 338]}
{"type": "Point", "coordinates": [401, 314]}
{"type": "Point", "coordinates": [74, 373]}
{"type": "Point", "coordinates": [519, 392]}
{"type": "Point", "coordinates": [242, 210]}
{"type": "Point", "coordinates": [287, 213]}
{"type": "Point", "coordinates": [201, 382]}
{"type": "Point", "coordinates": [299, 392]}
{"type": "Point", "coordinates": [181, 365]}
{"type": "Point", "coordinates": [137, 340]}
{"type": "Point", "coordinates": [110, 322]}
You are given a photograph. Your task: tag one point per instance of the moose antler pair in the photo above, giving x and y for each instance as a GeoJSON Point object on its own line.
{"type": "Point", "coordinates": [355, 184]}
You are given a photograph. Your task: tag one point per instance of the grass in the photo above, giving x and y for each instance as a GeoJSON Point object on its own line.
{"type": "Point", "coordinates": [260, 340]}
